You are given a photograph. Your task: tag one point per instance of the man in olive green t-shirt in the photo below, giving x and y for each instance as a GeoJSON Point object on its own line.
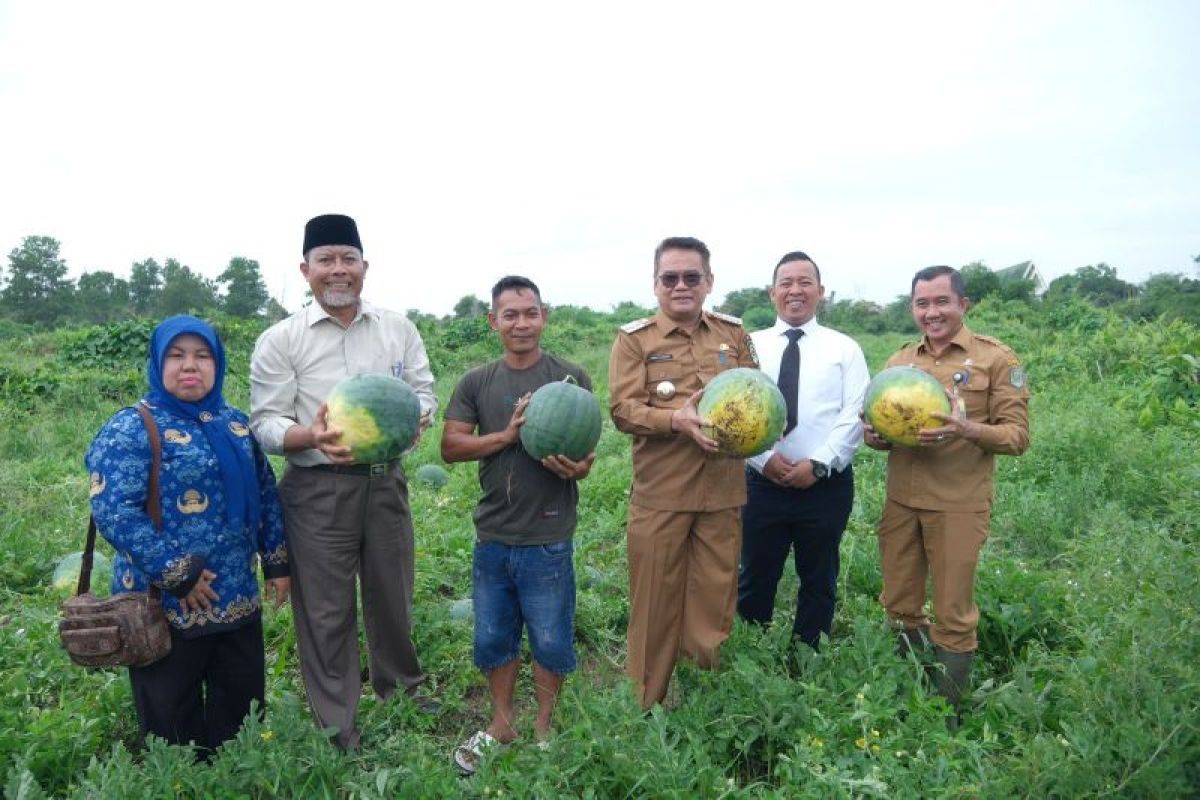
{"type": "Point", "coordinates": [522, 569]}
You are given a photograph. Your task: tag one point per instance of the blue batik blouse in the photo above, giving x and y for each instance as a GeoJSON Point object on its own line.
{"type": "Point", "coordinates": [196, 534]}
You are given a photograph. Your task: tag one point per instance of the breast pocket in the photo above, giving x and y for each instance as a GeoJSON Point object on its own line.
{"type": "Point", "coordinates": [975, 396]}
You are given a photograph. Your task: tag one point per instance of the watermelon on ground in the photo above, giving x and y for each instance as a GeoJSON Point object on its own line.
{"type": "Point", "coordinates": [378, 416]}
{"type": "Point", "coordinates": [562, 419]}
{"type": "Point", "coordinates": [900, 403]}
{"type": "Point", "coordinates": [66, 573]}
{"type": "Point", "coordinates": [462, 610]}
{"type": "Point", "coordinates": [745, 411]}
{"type": "Point", "coordinates": [432, 475]}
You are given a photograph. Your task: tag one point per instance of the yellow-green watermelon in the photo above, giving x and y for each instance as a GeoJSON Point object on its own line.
{"type": "Point", "coordinates": [745, 411]}
{"type": "Point", "coordinates": [66, 573]}
{"type": "Point", "coordinates": [562, 419]}
{"type": "Point", "coordinates": [378, 416]}
{"type": "Point", "coordinates": [900, 402]}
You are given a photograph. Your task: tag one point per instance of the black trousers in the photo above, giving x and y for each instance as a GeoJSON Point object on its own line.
{"type": "Point", "coordinates": [810, 522]}
{"type": "Point", "coordinates": [201, 691]}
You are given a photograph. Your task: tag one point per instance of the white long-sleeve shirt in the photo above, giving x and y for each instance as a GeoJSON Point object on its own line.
{"type": "Point", "coordinates": [833, 382]}
{"type": "Point", "coordinates": [298, 361]}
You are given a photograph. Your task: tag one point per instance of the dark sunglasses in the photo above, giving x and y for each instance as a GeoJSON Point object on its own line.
{"type": "Point", "coordinates": [669, 279]}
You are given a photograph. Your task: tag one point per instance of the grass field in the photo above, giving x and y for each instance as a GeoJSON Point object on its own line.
{"type": "Point", "coordinates": [1087, 682]}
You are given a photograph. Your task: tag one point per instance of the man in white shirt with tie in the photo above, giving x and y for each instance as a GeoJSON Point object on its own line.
{"type": "Point", "coordinates": [799, 493]}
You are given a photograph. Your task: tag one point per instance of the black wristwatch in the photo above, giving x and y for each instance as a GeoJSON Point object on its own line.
{"type": "Point", "coordinates": [819, 470]}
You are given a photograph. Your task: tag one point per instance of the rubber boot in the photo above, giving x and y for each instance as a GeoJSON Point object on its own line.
{"type": "Point", "coordinates": [912, 640]}
{"type": "Point", "coordinates": [952, 681]}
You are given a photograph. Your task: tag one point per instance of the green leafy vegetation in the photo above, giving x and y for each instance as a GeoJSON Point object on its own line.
{"type": "Point", "coordinates": [1087, 683]}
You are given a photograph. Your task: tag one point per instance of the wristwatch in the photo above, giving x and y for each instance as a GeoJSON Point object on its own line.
{"type": "Point", "coordinates": [819, 470]}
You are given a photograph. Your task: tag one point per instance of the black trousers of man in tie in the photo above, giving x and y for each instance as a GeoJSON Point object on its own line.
{"type": "Point", "coordinates": [810, 523]}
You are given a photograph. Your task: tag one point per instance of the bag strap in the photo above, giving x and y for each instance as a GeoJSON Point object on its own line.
{"type": "Point", "coordinates": [153, 504]}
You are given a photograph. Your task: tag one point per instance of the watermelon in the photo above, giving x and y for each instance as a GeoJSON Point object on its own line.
{"type": "Point", "coordinates": [66, 573]}
{"type": "Point", "coordinates": [431, 475]}
{"type": "Point", "coordinates": [900, 402]}
{"type": "Point", "coordinates": [462, 610]}
{"type": "Point", "coordinates": [562, 419]}
{"type": "Point", "coordinates": [745, 411]}
{"type": "Point", "coordinates": [378, 416]}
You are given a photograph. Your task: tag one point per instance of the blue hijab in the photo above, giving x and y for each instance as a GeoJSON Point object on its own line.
{"type": "Point", "coordinates": [237, 468]}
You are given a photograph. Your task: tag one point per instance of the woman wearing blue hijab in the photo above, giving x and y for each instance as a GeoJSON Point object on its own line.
{"type": "Point", "coordinates": [220, 512]}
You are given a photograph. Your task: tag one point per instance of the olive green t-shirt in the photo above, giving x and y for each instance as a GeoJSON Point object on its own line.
{"type": "Point", "coordinates": [523, 503]}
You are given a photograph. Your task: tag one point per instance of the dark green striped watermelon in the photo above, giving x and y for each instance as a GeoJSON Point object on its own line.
{"type": "Point", "coordinates": [378, 416]}
{"type": "Point", "coordinates": [745, 411]}
{"type": "Point", "coordinates": [432, 475]}
{"type": "Point", "coordinates": [562, 419]}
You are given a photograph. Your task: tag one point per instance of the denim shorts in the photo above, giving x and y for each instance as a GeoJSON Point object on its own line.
{"type": "Point", "coordinates": [531, 587]}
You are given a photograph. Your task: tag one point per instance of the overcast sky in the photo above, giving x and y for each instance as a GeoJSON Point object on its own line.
{"type": "Point", "coordinates": [563, 140]}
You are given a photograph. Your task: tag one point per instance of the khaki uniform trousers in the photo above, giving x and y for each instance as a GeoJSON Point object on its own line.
{"type": "Point", "coordinates": [682, 591]}
{"type": "Point", "coordinates": [915, 543]}
{"type": "Point", "coordinates": [339, 527]}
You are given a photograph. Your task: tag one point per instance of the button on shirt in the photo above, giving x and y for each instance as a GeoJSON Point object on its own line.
{"type": "Point", "coordinates": [298, 361]}
{"type": "Point", "coordinates": [833, 382]}
{"type": "Point", "coordinates": [670, 471]}
{"type": "Point", "coordinates": [957, 476]}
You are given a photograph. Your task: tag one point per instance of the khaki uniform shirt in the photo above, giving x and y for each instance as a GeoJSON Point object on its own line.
{"type": "Point", "coordinates": [958, 476]}
{"type": "Point", "coordinates": [297, 362]}
{"type": "Point", "coordinates": [670, 472]}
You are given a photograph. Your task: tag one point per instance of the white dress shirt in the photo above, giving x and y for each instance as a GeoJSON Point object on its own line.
{"type": "Point", "coordinates": [298, 361]}
{"type": "Point", "coordinates": [833, 382]}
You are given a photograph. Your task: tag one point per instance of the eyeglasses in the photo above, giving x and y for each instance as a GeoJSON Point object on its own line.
{"type": "Point", "coordinates": [669, 279]}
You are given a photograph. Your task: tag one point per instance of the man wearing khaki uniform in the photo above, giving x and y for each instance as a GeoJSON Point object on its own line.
{"type": "Point", "coordinates": [939, 493]}
{"type": "Point", "coordinates": [685, 508]}
{"type": "Point", "coordinates": [344, 521]}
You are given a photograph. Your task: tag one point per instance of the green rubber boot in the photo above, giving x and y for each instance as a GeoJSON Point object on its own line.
{"type": "Point", "coordinates": [952, 680]}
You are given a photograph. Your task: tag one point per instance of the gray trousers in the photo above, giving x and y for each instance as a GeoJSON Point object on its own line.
{"type": "Point", "coordinates": [338, 527]}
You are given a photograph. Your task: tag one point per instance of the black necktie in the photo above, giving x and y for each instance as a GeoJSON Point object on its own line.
{"type": "Point", "coordinates": [789, 376]}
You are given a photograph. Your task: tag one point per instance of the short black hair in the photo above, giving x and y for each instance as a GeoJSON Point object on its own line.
{"type": "Point", "coordinates": [682, 243]}
{"type": "Point", "coordinates": [796, 255]}
{"type": "Point", "coordinates": [513, 282]}
{"type": "Point", "coordinates": [930, 273]}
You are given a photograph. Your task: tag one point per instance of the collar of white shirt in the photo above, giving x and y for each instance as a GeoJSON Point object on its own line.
{"type": "Point", "coordinates": [314, 313]}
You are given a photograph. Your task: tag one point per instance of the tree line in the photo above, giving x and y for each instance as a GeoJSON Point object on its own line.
{"type": "Point", "coordinates": [36, 290]}
{"type": "Point", "coordinates": [1166, 295]}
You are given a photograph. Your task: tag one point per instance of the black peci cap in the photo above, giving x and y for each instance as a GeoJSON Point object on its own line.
{"type": "Point", "coordinates": [331, 229]}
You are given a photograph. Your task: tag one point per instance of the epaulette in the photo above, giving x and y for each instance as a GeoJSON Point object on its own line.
{"type": "Point", "coordinates": [726, 317]}
{"type": "Point", "coordinates": [636, 325]}
{"type": "Point", "coordinates": [995, 341]}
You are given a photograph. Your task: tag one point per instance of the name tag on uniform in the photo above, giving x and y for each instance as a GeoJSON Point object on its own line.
{"type": "Point", "coordinates": [655, 358]}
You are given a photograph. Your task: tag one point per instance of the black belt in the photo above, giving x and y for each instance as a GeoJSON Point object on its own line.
{"type": "Point", "coordinates": [366, 470]}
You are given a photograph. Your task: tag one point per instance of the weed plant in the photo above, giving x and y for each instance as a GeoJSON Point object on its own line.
{"type": "Point", "coordinates": [1086, 683]}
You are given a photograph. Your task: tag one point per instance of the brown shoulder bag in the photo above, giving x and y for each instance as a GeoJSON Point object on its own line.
{"type": "Point", "coordinates": [127, 629]}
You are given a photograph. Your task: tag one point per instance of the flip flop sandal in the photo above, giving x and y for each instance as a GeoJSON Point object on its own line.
{"type": "Point", "coordinates": [468, 754]}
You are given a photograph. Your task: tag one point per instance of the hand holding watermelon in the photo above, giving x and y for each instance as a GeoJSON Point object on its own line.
{"type": "Point", "coordinates": [328, 440]}
{"type": "Point", "coordinates": [568, 469]}
{"type": "Point", "coordinates": [687, 420]}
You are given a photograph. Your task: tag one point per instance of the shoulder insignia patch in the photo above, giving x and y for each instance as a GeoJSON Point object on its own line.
{"type": "Point", "coordinates": [749, 344]}
{"type": "Point", "coordinates": [636, 325]}
{"type": "Point", "coordinates": [726, 317]}
{"type": "Point", "coordinates": [1016, 376]}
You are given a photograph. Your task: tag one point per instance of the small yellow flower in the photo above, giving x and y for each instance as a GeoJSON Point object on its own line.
{"type": "Point", "coordinates": [860, 697]}
{"type": "Point", "coordinates": [267, 736]}
{"type": "Point", "coordinates": [874, 748]}
{"type": "Point", "coordinates": [860, 743]}
{"type": "Point", "coordinates": [816, 741]}
{"type": "Point", "coordinates": [875, 733]}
